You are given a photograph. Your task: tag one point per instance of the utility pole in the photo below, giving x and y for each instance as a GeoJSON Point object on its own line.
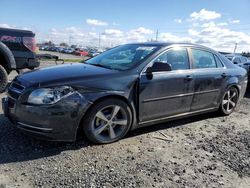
{"type": "Point", "coordinates": [235, 47]}
{"type": "Point", "coordinates": [156, 37]}
{"type": "Point", "coordinates": [99, 40]}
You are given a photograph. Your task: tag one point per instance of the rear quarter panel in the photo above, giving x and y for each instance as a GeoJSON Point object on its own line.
{"type": "Point", "coordinates": [238, 78]}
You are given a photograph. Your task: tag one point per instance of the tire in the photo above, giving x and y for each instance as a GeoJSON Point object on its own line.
{"type": "Point", "coordinates": [107, 121]}
{"type": "Point", "coordinates": [3, 79]}
{"type": "Point", "coordinates": [229, 101]}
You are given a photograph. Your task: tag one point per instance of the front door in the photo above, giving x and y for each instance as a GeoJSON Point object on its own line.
{"type": "Point", "coordinates": [167, 93]}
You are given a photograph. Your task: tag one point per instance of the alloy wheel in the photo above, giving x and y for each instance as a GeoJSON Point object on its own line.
{"type": "Point", "coordinates": [230, 100]}
{"type": "Point", "coordinates": [109, 123]}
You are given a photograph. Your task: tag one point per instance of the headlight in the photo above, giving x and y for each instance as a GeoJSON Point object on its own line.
{"type": "Point", "coordinates": [49, 95]}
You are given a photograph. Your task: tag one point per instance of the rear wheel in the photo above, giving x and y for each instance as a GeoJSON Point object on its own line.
{"type": "Point", "coordinates": [3, 79]}
{"type": "Point", "coordinates": [229, 101]}
{"type": "Point", "coordinates": [107, 121]}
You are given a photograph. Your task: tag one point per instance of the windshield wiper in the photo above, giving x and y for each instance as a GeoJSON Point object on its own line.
{"type": "Point", "coordinates": [100, 65]}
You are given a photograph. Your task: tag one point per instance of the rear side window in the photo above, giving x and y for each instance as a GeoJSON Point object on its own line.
{"type": "Point", "coordinates": [176, 58]}
{"type": "Point", "coordinates": [203, 59]}
{"type": "Point", "coordinates": [218, 62]}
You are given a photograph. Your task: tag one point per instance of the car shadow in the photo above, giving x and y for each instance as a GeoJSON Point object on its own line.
{"type": "Point", "coordinates": [172, 124]}
{"type": "Point", "coordinates": [17, 147]}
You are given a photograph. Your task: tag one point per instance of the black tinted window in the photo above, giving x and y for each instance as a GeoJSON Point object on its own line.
{"type": "Point", "coordinates": [176, 58]}
{"type": "Point", "coordinates": [203, 59]}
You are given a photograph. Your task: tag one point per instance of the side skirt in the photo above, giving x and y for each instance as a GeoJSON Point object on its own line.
{"type": "Point", "coordinates": [174, 117]}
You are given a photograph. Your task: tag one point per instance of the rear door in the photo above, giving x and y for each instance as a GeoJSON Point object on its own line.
{"type": "Point", "coordinates": [209, 78]}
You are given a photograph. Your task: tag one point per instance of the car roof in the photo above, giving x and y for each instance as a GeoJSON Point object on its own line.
{"type": "Point", "coordinates": [234, 55]}
{"type": "Point", "coordinates": [165, 44]}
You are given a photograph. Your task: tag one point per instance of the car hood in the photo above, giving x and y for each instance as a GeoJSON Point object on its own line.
{"type": "Point", "coordinates": [64, 74]}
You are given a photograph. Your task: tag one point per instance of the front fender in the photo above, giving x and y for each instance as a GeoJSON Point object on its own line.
{"type": "Point", "coordinates": [127, 96]}
{"type": "Point", "coordinates": [8, 55]}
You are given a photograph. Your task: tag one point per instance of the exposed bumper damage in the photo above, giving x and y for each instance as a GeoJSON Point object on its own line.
{"type": "Point", "coordinates": [57, 122]}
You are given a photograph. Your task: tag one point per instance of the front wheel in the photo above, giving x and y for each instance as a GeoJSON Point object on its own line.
{"type": "Point", "coordinates": [107, 121]}
{"type": "Point", "coordinates": [229, 101]}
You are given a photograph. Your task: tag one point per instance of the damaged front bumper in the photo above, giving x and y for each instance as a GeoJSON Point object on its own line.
{"type": "Point", "coordinates": [57, 122]}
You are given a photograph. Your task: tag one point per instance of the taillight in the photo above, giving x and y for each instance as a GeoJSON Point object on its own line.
{"type": "Point", "coordinates": [30, 43]}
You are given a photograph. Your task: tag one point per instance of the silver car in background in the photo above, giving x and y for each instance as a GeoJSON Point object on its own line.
{"type": "Point", "coordinates": [241, 61]}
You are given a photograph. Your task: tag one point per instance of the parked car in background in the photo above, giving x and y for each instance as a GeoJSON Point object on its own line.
{"type": "Point", "coordinates": [68, 50]}
{"type": "Point", "coordinates": [93, 53]}
{"type": "Point", "coordinates": [86, 51]}
{"type": "Point", "coordinates": [43, 48]}
{"type": "Point", "coordinates": [55, 49]}
{"type": "Point", "coordinates": [122, 89]}
{"type": "Point", "coordinates": [17, 51]}
{"type": "Point", "coordinates": [81, 52]}
{"type": "Point", "coordinates": [240, 61]}
{"type": "Point", "coordinates": [61, 49]}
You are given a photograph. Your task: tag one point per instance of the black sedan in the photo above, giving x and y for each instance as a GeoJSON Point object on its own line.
{"type": "Point", "coordinates": [124, 88]}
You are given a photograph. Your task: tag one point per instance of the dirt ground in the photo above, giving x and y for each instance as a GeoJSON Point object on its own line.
{"type": "Point", "coordinates": [202, 151]}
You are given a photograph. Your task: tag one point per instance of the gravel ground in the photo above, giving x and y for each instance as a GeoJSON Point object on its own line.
{"type": "Point", "coordinates": [202, 151]}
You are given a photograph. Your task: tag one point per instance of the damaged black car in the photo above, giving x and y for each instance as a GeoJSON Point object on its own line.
{"type": "Point", "coordinates": [124, 88]}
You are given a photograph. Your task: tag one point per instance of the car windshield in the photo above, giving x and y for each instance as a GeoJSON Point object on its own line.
{"type": "Point", "coordinates": [123, 57]}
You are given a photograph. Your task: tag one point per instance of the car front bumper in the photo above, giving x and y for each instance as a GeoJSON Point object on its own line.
{"type": "Point", "coordinates": [57, 122]}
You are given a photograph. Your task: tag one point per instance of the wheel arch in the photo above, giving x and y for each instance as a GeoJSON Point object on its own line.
{"type": "Point", "coordinates": [236, 87]}
{"type": "Point", "coordinates": [102, 98]}
{"type": "Point", "coordinates": [234, 83]}
{"type": "Point", "coordinates": [7, 56]}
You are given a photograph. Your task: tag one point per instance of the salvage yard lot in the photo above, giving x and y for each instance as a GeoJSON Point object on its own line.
{"type": "Point", "coordinates": [203, 151]}
{"type": "Point", "coordinates": [63, 56]}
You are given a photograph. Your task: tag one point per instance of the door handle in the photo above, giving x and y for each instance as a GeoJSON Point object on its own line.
{"type": "Point", "coordinates": [224, 75]}
{"type": "Point", "coordinates": [189, 78]}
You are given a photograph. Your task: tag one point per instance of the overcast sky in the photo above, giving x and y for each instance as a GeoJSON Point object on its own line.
{"type": "Point", "coordinates": [217, 24]}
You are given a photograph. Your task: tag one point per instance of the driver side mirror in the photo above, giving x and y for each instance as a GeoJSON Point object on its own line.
{"type": "Point", "coordinates": [159, 67]}
{"type": "Point", "coordinates": [235, 62]}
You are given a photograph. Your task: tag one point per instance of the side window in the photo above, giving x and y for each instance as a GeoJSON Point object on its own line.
{"type": "Point", "coordinates": [218, 62]}
{"type": "Point", "coordinates": [243, 59]}
{"type": "Point", "coordinates": [203, 59]}
{"type": "Point", "coordinates": [176, 58]}
{"type": "Point", "coordinates": [236, 60]}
